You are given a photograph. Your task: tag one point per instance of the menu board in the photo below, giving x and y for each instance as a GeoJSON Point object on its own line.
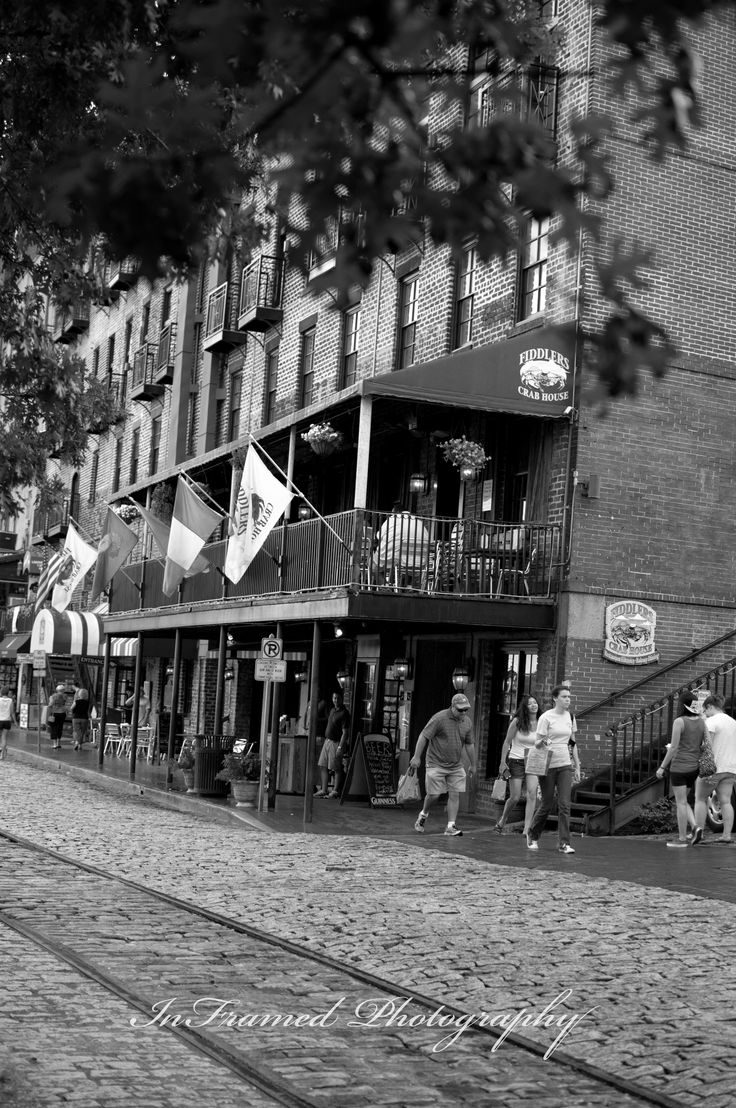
{"type": "Point", "coordinates": [371, 770]}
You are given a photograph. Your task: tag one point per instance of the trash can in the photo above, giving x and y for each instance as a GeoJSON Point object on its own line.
{"type": "Point", "coordinates": [209, 752]}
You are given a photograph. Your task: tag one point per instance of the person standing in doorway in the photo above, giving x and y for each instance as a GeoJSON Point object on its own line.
{"type": "Point", "coordinates": [335, 746]}
{"type": "Point", "coordinates": [722, 731]}
{"type": "Point", "coordinates": [445, 736]}
{"type": "Point", "coordinates": [555, 729]}
{"type": "Point", "coordinates": [80, 716]}
{"type": "Point", "coordinates": [56, 714]}
{"type": "Point", "coordinates": [7, 719]}
{"type": "Point", "coordinates": [144, 708]}
{"type": "Point", "coordinates": [688, 732]}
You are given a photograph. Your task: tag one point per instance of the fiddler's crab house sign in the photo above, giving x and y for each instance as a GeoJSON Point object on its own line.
{"type": "Point", "coordinates": [630, 627]}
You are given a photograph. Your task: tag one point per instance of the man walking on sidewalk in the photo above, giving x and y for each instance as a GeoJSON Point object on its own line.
{"type": "Point", "coordinates": [444, 736]}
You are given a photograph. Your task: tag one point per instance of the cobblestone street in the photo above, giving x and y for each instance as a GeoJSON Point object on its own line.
{"type": "Point", "coordinates": [488, 937]}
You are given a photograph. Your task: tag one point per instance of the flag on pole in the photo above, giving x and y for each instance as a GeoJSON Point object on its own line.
{"type": "Point", "coordinates": [78, 557]}
{"type": "Point", "coordinates": [192, 523]}
{"type": "Point", "coordinates": [115, 546]}
{"type": "Point", "coordinates": [48, 578]}
{"type": "Point", "coordinates": [262, 500]}
{"type": "Point", "coordinates": [160, 532]}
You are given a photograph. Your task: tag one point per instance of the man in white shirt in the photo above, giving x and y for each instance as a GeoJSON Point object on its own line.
{"type": "Point", "coordinates": [722, 731]}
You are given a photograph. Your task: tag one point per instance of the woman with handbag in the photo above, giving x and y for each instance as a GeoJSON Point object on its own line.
{"type": "Point", "coordinates": [688, 733]}
{"type": "Point", "coordinates": [516, 746]}
{"type": "Point", "coordinates": [555, 729]}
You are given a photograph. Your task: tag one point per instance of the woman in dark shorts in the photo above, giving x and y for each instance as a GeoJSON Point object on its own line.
{"type": "Point", "coordinates": [688, 733]}
{"type": "Point", "coordinates": [519, 740]}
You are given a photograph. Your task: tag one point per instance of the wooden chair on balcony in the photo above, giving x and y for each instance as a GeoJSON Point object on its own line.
{"type": "Point", "coordinates": [365, 558]}
{"type": "Point", "coordinates": [516, 576]}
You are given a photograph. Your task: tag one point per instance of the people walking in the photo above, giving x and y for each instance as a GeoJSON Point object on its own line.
{"type": "Point", "coordinates": [7, 719]}
{"type": "Point", "coordinates": [555, 729]}
{"type": "Point", "coordinates": [722, 731]}
{"type": "Point", "coordinates": [688, 732]}
{"type": "Point", "coordinates": [80, 716]}
{"type": "Point", "coordinates": [516, 746]}
{"type": "Point", "coordinates": [445, 736]}
{"type": "Point", "coordinates": [56, 714]}
{"type": "Point", "coordinates": [335, 746]}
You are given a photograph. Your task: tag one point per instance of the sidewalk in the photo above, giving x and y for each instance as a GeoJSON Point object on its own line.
{"type": "Point", "coordinates": [706, 871]}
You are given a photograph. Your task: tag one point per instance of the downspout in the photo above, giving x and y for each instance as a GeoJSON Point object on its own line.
{"type": "Point", "coordinates": [569, 500]}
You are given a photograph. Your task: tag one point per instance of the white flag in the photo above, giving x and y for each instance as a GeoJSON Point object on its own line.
{"type": "Point", "coordinates": [261, 502]}
{"type": "Point", "coordinates": [78, 559]}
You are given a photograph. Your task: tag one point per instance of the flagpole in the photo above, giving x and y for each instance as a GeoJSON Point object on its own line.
{"type": "Point", "coordinates": [299, 492]}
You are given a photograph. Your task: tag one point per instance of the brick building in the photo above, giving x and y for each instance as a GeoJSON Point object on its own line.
{"type": "Point", "coordinates": [518, 560]}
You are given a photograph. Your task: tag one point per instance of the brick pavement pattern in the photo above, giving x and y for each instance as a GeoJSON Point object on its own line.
{"type": "Point", "coordinates": [467, 932]}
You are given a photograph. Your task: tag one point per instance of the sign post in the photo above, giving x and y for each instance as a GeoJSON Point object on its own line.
{"type": "Point", "coordinates": [39, 671]}
{"type": "Point", "coordinates": [271, 666]}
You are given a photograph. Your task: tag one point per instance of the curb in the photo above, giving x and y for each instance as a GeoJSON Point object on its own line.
{"type": "Point", "coordinates": [172, 801]}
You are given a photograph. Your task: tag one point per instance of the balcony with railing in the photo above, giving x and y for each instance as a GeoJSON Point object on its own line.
{"type": "Point", "coordinates": [71, 322]}
{"type": "Point", "coordinates": [261, 288]}
{"type": "Point", "coordinates": [165, 354]}
{"type": "Point", "coordinates": [218, 334]}
{"type": "Point", "coordinates": [377, 555]}
{"type": "Point", "coordinates": [143, 383]}
{"type": "Point", "coordinates": [53, 522]}
{"type": "Point", "coordinates": [123, 275]}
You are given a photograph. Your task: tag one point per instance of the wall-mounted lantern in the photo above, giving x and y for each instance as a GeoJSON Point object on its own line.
{"type": "Point", "coordinates": [462, 675]}
{"type": "Point", "coordinates": [402, 668]}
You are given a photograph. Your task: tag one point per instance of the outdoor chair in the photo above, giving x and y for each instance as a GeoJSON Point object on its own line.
{"type": "Point", "coordinates": [113, 738]}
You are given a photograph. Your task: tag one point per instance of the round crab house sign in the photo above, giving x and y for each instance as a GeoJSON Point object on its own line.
{"type": "Point", "coordinates": [630, 627]}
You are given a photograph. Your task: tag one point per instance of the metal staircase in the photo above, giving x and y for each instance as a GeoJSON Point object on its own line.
{"type": "Point", "coordinates": [608, 800]}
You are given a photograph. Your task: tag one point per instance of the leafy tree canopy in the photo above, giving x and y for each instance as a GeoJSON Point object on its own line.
{"type": "Point", "coordinates": [128, 127]}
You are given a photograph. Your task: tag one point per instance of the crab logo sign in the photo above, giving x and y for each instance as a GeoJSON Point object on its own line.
{"type": "Point", "coordinates": [630, 627]}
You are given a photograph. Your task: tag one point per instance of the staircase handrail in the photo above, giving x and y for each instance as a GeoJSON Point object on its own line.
{"type": "Point", "coordinates": [654, 674]}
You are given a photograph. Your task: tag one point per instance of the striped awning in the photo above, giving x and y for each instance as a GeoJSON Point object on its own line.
{"type": "Point", "coordinates": [124, 648]}
{"type": "Point", "coordinates": [14, 644]}
{"type": "Point", "coordinates": [78, 633]}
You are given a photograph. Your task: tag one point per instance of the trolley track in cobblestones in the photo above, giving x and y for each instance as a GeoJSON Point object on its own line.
{"type": "Point", "coordinates": [61, 894]}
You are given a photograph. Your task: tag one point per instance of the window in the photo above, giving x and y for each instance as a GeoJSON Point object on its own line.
{"type": "Point", "coordinates": [270, 385]}
{"type": "Point", "coordinates": [464, 297]}
{"type": "Point", "coordinates": [350, 340]}
{"type": "Point", "coordinates": [531, 96]}
{"type": "Point", "coordinates": [128, 342]}
{"type": "Point", "coordinates": [306, 367]}
{"type": "Point", "coordinates": [110, 358]}
{"type": "Point", "coordinates": [145, 320]}
{"type": "Point", "coordinates": [192, 424]}
{"type": "Point", "coordinates": [96, 362]}
{"type": "Point", "coordinates": [117, 464]}
{"type": "Point", "coordinates": [155, 445]}
{"type": "Point", "coordinates": [236, 392]}
{"type": "Point", "coordinates": [135, 446]}
{"type": "Point", "coordinates": [93, 471]}
{"type": "Point", "coordinates": [165, 308]}
{"type": "Point", "coordinates": [408, 320]}
{"type": "Point", "coordinates": [534, 268]}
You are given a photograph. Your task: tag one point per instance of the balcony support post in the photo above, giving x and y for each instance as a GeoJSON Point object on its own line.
{"type": "Point", "coordinates": [360, 499]}
{"type": "Point", "coordinates": [220, 682]}
{"type": "Point", "coordinates": [312, 736]}
{"type": "Point", "coordinates": [174, 705]}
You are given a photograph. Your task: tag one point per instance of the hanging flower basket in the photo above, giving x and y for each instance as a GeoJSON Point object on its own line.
{"type": "Point", "coordinates": [323, 438]}
{"type": "Point", "coordinates": [467, 456]}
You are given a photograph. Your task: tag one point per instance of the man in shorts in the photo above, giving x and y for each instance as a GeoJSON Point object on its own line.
{"type": "Point", "coordinates": [445, 736]}
{"type": "Point", "coordinates": [335, 746]}
{"type": "Point", "coordinates": [722, 731]}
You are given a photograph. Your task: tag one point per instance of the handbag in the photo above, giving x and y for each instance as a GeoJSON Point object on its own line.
{"type": "Point", "coordinates": [706, 760]}
{"type": "Point", "coordinates": [537, 761]}
{"type": "Point", "coordinates": [408, 788]}
{"type": "Point", "coordinates": [498, 792]}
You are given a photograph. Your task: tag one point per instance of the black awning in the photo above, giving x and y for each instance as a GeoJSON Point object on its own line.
{"type": "Point", "coordinates": [529, 375]}
{"type": "Point", "coordinates": [12, 645]}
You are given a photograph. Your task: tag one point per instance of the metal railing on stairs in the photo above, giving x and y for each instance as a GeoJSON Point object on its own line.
{"type": "Point", "coordinates": [638, 743]}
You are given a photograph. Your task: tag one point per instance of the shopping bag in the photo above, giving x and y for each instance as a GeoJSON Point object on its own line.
{"type": "Point", "coordinates": [537, 761]}
{"type": "Point", "coordinates": [498, 792]}
{"type": "Point", "coordinates": [706, 761]}
{"type": "Point", "coordinates": [408, 788]}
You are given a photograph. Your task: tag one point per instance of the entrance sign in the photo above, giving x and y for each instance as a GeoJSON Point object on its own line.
{"type": "Point", "coordinates": [272, 648]}
{"type": "Point", "coordinates": [267, 670]}
{"type": "Point", "coordinates": [39, 661]}
{"type": "Point", "coordinates": [371, 769]}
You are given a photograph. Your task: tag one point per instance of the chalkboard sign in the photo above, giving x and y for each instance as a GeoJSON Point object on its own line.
{"type": "Point", "coordinates": [371, 768]}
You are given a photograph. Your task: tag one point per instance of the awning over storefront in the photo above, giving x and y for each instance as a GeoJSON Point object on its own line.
{"type": "Point", "coordinates": [78, 633]}
{"type": "Point", "coordinates": [124, 648]}
{"type": "Point", "coordinates": [13, 645]}
{"type": "Point", "coordinates": [529, 375]}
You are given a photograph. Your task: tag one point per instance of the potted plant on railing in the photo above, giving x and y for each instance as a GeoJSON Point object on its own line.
{"type": "Point", "coordinates": [243, 771]}
{"type": "Point", "coordinates": [467, 456]}
{"type": "Point", "coordinates": [323, 438]}
{"type": "Point", "coordinates": [185, 762]}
